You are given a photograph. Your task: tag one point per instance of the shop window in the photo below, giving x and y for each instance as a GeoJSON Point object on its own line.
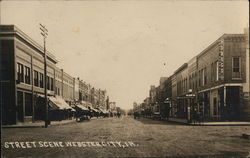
{"type": "Point", "coordinates": [28, 104]}
{"type": "Point", "coordinates": [36, 76]}
{"type": "Point", "coordinates": [20, 73]}
{"type": "Point", "coordinates": [236, 69]}
{"type": "Point", "coordinates": [4, 70]}
{"type": "Point", "coordinates": [27, 75]}
{"type": "Point", "coordinates": [19, 108]}
{"type": "Point", "coordinates": [215, 106]}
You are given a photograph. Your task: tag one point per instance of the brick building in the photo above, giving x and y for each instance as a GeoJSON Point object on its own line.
{"type": "Point", "coordinates": [215, 83]}
{"type": "Point", "coordinates": [209, 80]}
{"type": "Point", "coordinates": [22, 80]}
{"type": "Point", "coordinates": [22, 75]}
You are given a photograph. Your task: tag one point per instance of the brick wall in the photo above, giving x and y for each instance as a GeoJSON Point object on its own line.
{"type": "Point", "coordinates": [234, 46]}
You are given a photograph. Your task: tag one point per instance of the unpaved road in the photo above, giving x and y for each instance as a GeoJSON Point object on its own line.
{"type": "Point", "coordinates": [147, 138]}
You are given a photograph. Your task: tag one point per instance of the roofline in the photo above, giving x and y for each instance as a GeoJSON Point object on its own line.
{"type": "Point", "coordinates": [16, 31]}
{"type": "Point", "coordinates": [210, 46]}
{"type": "Point", "coordinates": [182, 67]}
{"type": "Point", "coordinates": [222, 37]}
{"type": "Point", "coordinates": [205, 50]}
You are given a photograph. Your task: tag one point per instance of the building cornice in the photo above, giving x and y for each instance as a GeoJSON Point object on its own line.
{"type": "Point", "coordinates": [7, 31]}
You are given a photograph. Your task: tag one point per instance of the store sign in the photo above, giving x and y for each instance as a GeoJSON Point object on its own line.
{"type": "Point", "coordinates": [221, 61]}
{"type": "Point", "coordinates": [190, 95]}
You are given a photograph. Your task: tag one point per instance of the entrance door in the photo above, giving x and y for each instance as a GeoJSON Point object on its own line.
{"type": "Point", "coordinates": [28, 104]}
{"type": "Point", "coordinates": [233, 103]}
{"type": "Point", "coordinates": [215, 107]}
{"type": "Point", "coordinates": [20, 109]}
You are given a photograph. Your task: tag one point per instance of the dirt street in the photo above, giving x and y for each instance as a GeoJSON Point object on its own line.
{"type": "Point", "coordinates": [125, 137]}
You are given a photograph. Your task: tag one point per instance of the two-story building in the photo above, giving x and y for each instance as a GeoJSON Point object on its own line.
{"type": "Point", "coordinates": [22, 75]}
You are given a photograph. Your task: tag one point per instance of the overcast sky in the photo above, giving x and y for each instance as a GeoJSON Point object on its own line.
{"type": "Point", "coordinates": [121, 46]}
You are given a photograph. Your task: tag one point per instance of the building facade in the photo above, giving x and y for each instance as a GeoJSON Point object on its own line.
{"type": "Point", "coordinates": [22, 79]}
{"type": "Point", "coordinates": [214, 84]}
{"type": "Point", "coordinates": [208, 81]}
{"type": "Point", "coordinates": [22, 75]}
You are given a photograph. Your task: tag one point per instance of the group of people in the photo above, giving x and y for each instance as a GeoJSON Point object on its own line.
{"type": "Point", "coordinates": [196, 116]}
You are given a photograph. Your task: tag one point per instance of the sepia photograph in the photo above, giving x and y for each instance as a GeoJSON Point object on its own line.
{"type": "Point", "coordinates": [125, 78]}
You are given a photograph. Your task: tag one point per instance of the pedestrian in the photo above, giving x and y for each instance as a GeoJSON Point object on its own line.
{"type": "Point", "coordinates": [199, 117]}
{"type": "Point", "coordinates": [194, 115]}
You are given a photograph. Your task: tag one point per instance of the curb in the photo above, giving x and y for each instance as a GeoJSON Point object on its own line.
{"type": "Point", "coordinates": [202, 124]}
{"type": "Point", "coordinates": [36, 126]}
{"type": "Point", "coordinates": [42, 126]}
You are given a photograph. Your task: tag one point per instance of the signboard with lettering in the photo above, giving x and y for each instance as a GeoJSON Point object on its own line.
{"type": "Point", "coordinates": [221, 60]}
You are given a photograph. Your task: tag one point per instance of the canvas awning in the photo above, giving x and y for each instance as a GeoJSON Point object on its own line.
{"type": "Point", "coordinates": [103, 111]}
{"type": "Point", "coordinates": [82, 107]}
{"type": "Point", "coordinates": [84, 103]}
{"type": "Point", "coordinates": [93, 109]}
{"type": "Point", "coordinates": [59, 103]}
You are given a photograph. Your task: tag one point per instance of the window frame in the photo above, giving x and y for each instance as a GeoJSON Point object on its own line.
{"type": "Point", "coordinates": [41, 80]}
{"type": "Point", "coordinates": [27, 75]}
{"type": "Point", "coordinates": [36, 78]}
{"type": "Point", "coordinates": [233, 76]}
{"type": "Point", "coordinates": [20, 72]}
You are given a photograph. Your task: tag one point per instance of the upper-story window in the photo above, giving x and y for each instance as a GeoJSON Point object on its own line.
{"type": "Point", "coordinates": [27, 75]}
{"type": "Point", "coordinates": [20, 72]}
{"type": "Point", "coordinates": [236, 68]}
{"type": "Point", "coordinates": [51, 84]}
{"type": "Point", "coordinates": [200, 78]}
{"type": "Point", "coordinates": [205, 75]}
{"type": "Point", "coordinates": [36, 76]}
{"type": "Point", "coordinates": [41, 80]}
{"type": "Point", "coordinates": [212, 73]}
{"type": "Point", "coordinates": [48, 82]}
{"type": "Point", "coordinates": [190, 81]}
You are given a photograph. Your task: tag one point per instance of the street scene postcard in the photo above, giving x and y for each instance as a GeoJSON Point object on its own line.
{"type": "Point", "coordinates": [124, 78]}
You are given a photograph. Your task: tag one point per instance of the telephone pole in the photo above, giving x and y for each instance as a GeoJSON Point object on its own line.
{"type": "Point", "coordinates": [44, 33]}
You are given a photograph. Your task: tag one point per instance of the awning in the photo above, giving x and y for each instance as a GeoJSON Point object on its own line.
{"type": "Point", "coordinates": [84, 103]}
{"type": "Point", "coordinates": [59, 103]}
{"type": "Point", "coordinates": [96, 110]}
{"type": "Point", "coordinates": [103, 111]}
{"type": "Point", "coordinates": [82, 107]}
{"type": "Point", "coordinates": [93, 109]}
{"type": "Point", "coordinates": [89, 104]}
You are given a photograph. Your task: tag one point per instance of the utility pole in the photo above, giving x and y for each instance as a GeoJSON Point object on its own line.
{"type": "Point", "coordinates": [44, 33]}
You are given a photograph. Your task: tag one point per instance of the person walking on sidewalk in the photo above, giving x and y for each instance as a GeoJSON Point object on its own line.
{"type": "Point", "coordinates": [194, 115]}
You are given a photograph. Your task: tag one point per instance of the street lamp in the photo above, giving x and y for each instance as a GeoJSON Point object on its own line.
{"type": "Point", "coordinates": [44, 33]}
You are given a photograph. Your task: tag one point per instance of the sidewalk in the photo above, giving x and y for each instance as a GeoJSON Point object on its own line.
{"type": "Point", "coordinates": [232, 123]}
{"type": "Point", "coordinates": [39, 124]}
{"type": "Point", "coordinates": [235, 123]}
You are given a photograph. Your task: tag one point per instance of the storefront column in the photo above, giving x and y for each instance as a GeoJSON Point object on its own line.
{"type": "Point", "coordinates": [32, 94]}
{"type": "Point", "coordinates": [189, 110]}
{"type": "Point", "coordinates": [203, 104]}
{"type": "Point", "coordinates": [225, 96]}
{"type": "Point", "coordinates": [23, 106]}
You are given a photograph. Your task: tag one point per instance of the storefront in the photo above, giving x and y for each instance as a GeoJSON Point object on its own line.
{"type": "Point", "coordinates": [220, 104]}
{"type": "Point", "coordinates": [24, 106]}
{"type": "Point", "coordinates": [59, 109]}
